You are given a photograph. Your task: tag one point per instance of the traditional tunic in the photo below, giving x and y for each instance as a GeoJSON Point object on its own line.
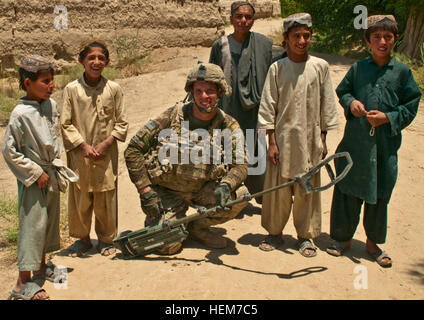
{"type": "Point", "coordinates": [32, 146]}
{"type": "Point", "coordinates": [92, 114]}
{"type": "Point", "coordinates": [298, 104]}
{"type": "Point", "coordinates": [245, 67]}
{"type": "Point", "coordinates": [392, 90]}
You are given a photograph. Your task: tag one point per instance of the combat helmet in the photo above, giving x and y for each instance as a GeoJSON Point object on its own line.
{"type": "Point", "coordinates": [207, 72]}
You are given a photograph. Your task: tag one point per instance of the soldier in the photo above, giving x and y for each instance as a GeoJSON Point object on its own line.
{"type": "Point", "coordinates": [169, 188]}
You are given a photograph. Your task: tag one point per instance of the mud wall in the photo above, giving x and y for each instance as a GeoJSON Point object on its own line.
{"type": "Point", "coordinates": [56, 28]}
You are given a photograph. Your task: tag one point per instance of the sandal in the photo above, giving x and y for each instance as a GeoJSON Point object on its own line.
{"type": "Point", "coordinates": [382, 258]}
{"type": "Point", "coordinates": [306, 244]}
{"type": "Point", "coordinates": [79, 248]}
{"type": "Point", "coordinates": [271, 242]}
{"type": "Point", "coordinates": [27, 292]}
{"type": "Point", "coordinates": [103, 246]}
{"type": "Point", "coordinates": [337, 248]}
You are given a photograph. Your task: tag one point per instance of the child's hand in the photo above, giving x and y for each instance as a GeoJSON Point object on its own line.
{"type": "Point", "coordinates": [377, 118]}
{"type": "Point", "coordinates": [88, 151]}
{"type": "Point", "coordinates": [43, 180]}
{"type": "Point", "coordinates": [102, 147]}
{"type": "Point", "coordinates": [357, 108]}
{"type": "Point", "coordinates": [273, 153]}
{"type": "Point", "coordinates": [324, 150]}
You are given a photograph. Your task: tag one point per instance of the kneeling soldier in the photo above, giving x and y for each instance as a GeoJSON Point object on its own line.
{"type": "Point", "coordinates": [168, 187]}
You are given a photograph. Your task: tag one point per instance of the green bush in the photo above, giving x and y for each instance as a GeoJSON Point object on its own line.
{"type": "Point", "coordinates": [332, 20]}
{"type": "Point", "coordinates": [9, 214]}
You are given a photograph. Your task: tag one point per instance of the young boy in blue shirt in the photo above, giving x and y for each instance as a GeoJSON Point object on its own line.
{"type": "Point", "coordinates": [380, 98]}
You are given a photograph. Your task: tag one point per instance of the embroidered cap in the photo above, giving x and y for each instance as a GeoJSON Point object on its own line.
{"type": "Point", "coordinates": [35, 63]}
{"type": "Point", "coordinates": [373, 20]}
{"type": "Point", "coordinates": [302, 18]}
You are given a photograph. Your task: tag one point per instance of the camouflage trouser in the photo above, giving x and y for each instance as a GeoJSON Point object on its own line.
{"type": "Point", "coordinates": [179, 202]}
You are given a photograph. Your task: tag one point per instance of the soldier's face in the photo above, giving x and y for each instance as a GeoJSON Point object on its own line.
{"type": "Point", "coordinates": [205, 96]}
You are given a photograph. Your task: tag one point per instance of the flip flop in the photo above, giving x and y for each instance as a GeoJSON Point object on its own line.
{"type": "Point", "coordinates": [271, 242]}
{"type": "Point", "coordinates": [103, 246]}
{"type": "Point", "coordinates": [304, 245]}
{"type": "Point", "coordinates": [79, 248]}
{"type": "Point", "coordinates": [27, 292]}
{"type": "Point", "coordinates": [337, 249]}
{"type": "Point", "coordinates": [382, 258]}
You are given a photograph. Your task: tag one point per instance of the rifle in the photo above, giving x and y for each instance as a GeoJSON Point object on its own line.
{"type": "Point", "coordinates": [149, 239]}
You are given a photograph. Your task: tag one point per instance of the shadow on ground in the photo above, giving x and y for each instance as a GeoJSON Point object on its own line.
{"type": "Point", "coordinates": [417, 271]}
{"type": "Point", "coordinates": [214, 256]}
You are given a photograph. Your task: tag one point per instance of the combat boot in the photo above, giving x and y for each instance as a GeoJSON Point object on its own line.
{"type": "Point", "coordinates": [170, 249]}
{"type": "Point", "coordinates": [206, 236]}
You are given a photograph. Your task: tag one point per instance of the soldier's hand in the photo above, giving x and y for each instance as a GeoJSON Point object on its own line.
{"type": "Point", "coordinates": [151, 204]}
{"type": "Point", "coordinates": [222, 195]}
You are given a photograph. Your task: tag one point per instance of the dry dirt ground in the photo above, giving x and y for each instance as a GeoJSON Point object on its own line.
{"type": "Point", "coordinates": [242, 271]}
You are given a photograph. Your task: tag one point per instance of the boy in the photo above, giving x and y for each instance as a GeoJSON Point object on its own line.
{"type": "Point", "coordinates": [245, 57]}
{"type": "Point", "coordinates": [32, 151]}
{"type": "Point", "coordinates": [380, 98]}
{"type": "Point", "coordinates": [93, 119]}
{"type": "Point", "coordinates": [297, 109]}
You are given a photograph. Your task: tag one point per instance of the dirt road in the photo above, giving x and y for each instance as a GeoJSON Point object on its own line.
{"type": "Point", "coordinates": [242, 271]}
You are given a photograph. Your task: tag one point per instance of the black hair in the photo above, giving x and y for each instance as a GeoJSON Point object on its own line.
{"type": "Point", "coordinates": [296, 25]}
{"type": "Point", "coordinates": [237, 4]}
{"type": "Point", "coordinates": [94, 44]}
{"type": "Point", "coordinates": [385, 24]}
{"type": "Point", "coordinates": [33, 76]}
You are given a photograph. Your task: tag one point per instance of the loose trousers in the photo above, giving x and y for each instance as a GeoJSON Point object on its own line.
{"type": "Point", "coordinates": [81, 206]}
{"type": "Point", "coordinates": [277, 205]}
{"type": "Point", "coordinates": [345, 214]}
{"type": "Point", "coordinates": [39, 214]}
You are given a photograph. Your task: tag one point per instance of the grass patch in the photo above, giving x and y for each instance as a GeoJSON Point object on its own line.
{"type": "Point", "coordinates": [9, 97]}
{"type": "Point", "coordinates": [10, 223]}
{"type": "Point", "coordinates": [132, 59]}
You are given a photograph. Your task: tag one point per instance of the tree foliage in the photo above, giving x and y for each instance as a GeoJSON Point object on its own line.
{"type": "Point", "coordinates": [333, 20]}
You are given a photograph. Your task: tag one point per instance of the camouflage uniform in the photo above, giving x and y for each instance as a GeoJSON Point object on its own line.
{"type": "Point", "coordinates": [182, 185]}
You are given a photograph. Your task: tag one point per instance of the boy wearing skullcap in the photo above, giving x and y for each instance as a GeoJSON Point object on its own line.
{"type": "Point", "coordinates": [297, 109]}
{"type": "Point", "coordinates": [380, 98]}
{"type": "Point", "coordinates": [32, 149]}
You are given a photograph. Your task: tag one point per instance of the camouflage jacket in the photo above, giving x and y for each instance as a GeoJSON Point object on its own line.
{"type": "Point", "coordinates": [147, 167]}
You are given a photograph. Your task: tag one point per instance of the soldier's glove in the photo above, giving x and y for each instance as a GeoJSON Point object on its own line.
{"type": "Point", "coordinates": [151, 204]}
{"type": "Point", "coordinates": [222, 195]}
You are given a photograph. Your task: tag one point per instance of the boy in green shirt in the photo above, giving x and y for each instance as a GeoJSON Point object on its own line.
{"type": "Point", "coordinates": [380, 98]}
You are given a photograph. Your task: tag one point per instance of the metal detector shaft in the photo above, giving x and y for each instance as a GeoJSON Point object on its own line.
{"type": "Point", "coordinates": [304, 180]}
